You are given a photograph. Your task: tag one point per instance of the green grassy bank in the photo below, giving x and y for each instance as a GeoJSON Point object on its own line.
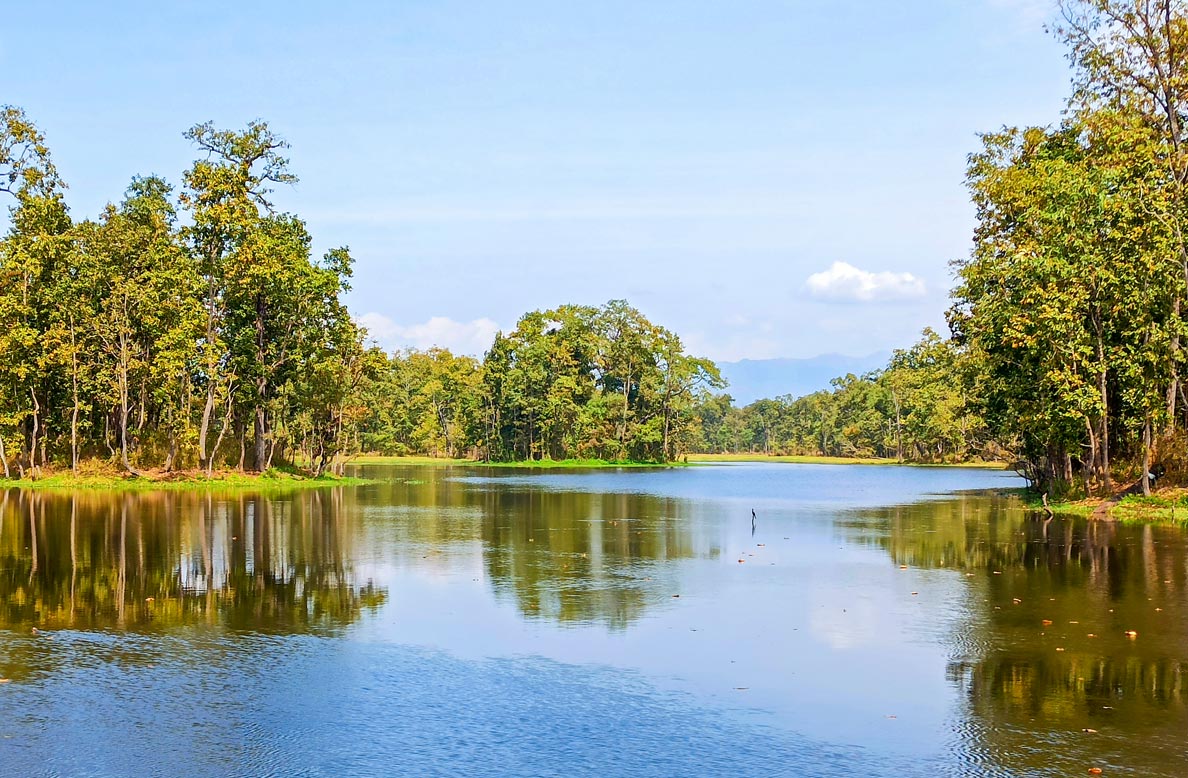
{"type": "Point", "coordinates": [271, 480]}
{"type": "Point", "coordinates": [693, 459]}
{"type": "Point", "coordinates": [536, 464]}
{"type": "Point", "coordinates": [1168, 506]}
{"type": "Point", "coordinates": [817, 460]}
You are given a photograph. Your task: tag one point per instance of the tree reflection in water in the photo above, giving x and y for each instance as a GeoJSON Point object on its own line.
{"type": "Point", "coordinates": [1043, 656]}
{"type": "Point", "coordinates": [586, 557]}
{"type": "Point", "coordinates": [154, 561]}
{"type": "Point", "coordinates": [568, 557]}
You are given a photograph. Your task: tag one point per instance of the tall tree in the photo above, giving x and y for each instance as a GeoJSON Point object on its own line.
{"type": "Point", "coordinates": [227, 194]}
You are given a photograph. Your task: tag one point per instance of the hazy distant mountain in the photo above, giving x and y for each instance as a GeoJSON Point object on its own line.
{"type": "Point", "coordinates": [754, 379]}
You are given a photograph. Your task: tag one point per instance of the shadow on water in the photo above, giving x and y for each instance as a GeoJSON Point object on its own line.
{"type": "Point", "coordinates": [1073, 652]}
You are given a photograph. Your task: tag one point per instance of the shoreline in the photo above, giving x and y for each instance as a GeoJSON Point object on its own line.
{"type": "Point", "coordinates": [820, 460]}
{"type": "Point", "coordinates": [688, 461]}
{"type": "Point", "coordinates": [533, 464]}
{"type": "Point", "coordinates": [221, 481]}
{"type": "Point", "coordinates": [1168, 506]}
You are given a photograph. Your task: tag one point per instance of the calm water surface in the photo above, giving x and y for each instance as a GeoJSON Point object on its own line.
{"type": "Point", "coordinates": [466, 621]}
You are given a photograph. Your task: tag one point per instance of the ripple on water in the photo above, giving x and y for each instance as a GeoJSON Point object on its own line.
{"type": "Point", "coordinates": [380, 710]}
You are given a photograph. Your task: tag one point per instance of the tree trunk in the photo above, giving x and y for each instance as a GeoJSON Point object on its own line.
{"type": "Point", "coordinates": [74, 392]}
{"type": "Point", "coordinates": [1174, 386]}
{"type": "Point", "coordinates": [222, 432]}
{"type": "Point", "coordinates": [123, 383]}
{"type": "Point", "coordinates": [33, 435]}
{"type": "Point", "coordinates": [260, 454]}
{"type": "Point", "coordinates": [1104, 435]}
{"type": "Point", "coordinates": [260, 438]}
{"type": "Point", "coordinates": [171, 432]}
{"type": "Point", "coordinates": [667, 419]}
{"type": "Point", "coordinates": [107, 436]}
{"type": "Point", "coordinates": [204, 427]}
{"type": "Point", "coordinates": [626, 408]}
{"type": "Point", "coordinates": [1146, 479]}
{"type": "Point", "coordinates": [242, 433]}
{"type": "Point", "coordinates": [445, 428]}
{"type": "Point", "coordinates": [1094, 455]}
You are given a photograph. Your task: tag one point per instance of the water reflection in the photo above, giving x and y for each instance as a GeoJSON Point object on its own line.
{"type": "Point", "coordinates": [1073, 651]}
{"type": "Point", "coordinates": [91, 561]}
{"type": "Point", "coordinates": [586, 557]}
{"type": "Point", "coordinates": [288, 564]}
{"type": "Point", "coordinates": [1002, 632]}
{"type": "Point", "coordinates": [568, 557]}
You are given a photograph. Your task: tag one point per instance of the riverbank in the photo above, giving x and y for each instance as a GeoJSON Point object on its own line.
{"type": "Point", "coordinates": [691, 459]}
{"type": "Point", "coordinates": [818, 460]}
{"type": "Point", "coordinates": [536, 464]}
{"type": "Point", "coordinates": [185, 480]}
{"type": "Point", "coordinates": [1168, 506]}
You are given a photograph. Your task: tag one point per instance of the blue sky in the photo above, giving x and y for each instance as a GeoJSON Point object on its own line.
{"type": "Point", "coordinates": [768, 179]}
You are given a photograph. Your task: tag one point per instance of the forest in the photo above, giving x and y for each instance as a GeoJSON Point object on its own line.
{"type": "Point", "coordinates": [194, 330]}
{"type": "Point", "coordinates": [1066, 355]}
{"type": "Point", "coordinates": [575, 382]}
{"type": "Point", "coordinates": [1071, 303]}
{"type": "Point", "coordinates": [191, 328]}
{"type": "Point", "coordinates": [175, 330]}
{"type": "Point", "coordinates": [922, 407]}
{"type": "Point", "coordinates": [604, 383]}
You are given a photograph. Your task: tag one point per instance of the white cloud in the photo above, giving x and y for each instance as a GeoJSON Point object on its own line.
{"type": "Point", "coordinates": [843, 281]}
{"type": "Point", "coordinates": [472, 338]}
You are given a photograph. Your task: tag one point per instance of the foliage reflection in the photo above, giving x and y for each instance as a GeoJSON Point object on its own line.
{"type": "Point", "coordinates": [1074, 627]}
{"type": "Point", "coordinates": [155, 561]}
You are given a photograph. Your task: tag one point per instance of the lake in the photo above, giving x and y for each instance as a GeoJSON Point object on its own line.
{"type": "Point", "coordinates": [472, 621]}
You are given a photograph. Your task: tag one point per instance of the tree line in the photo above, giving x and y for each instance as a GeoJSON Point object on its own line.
{"type": "Point", "coordinates": [1072, 302]}
{"type": "Point", "coordinates": [922, 407]}
{"type": "Point", "coordinates": [1066, 353]}
{"type": "Point", "coordinates": [177, 329]}
{"type": "Point", "coordinates": [574, 382]}
{"type": "Point", "coordinates": [194, 328]}
{"type": "Point", "coordinates": [605, 383]}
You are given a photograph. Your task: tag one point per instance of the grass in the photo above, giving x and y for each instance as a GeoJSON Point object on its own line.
{"type": "Point", "coordinates": [537, 464]}
{"type": "Point", "coordinates": [818, 460]}
{"type": "Point", "coordinates": [1168, 506]}
{"type": "Point", "coordinates": [586, 464]}
{"type": "Point", "coordinates": [380, 459]}
{"type": "Point", "coordinates": [109, 479]}
{"type": "Point", "coordinates": [693, 459]}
